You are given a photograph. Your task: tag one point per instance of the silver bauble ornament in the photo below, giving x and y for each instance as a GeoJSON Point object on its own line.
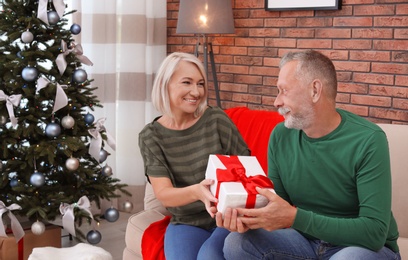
{"type": "Point", "coordinates": [52, 130]}
{"type": "Point", "coordinates": [111, 214]}
{"type": "Point", "coordinates": [72, 164]}
{"type": "Point", "coordinates": [38, 228]}
{"type": "Point", "coordinates": [106, 171]}
{"type": "Point", "coordinates": [27, 37]}
{"type": "Point", "coordinates": [127, 206]}
{"type": "Point", "coordinates": [29, 74]}
{"type": "Point", "coordinates": [75, 29]}
{"type": "Point", "coordinates": [103, 155]}
{"type": "Point", "coordinates": [53, 17]}
{"type": "Point", "coordinates": [89, 119]}
{"type": "Point", "coordinates": [68, 122]}
{"type": "Point", "coordinates": [37, 179]}
{"type": "Point", "coordinates": [3, 120]}
{"type": "Point", "coordinates": [94, 237]}
{"type": "Point", "coordinates": [80, 76]}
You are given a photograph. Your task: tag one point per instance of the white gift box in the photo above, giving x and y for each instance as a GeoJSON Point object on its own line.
{"type": "Point", "coordinates": [233, 194]}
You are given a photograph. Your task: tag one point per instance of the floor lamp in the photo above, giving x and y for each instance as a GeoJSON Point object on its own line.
{"type": "Point", "coordinates": [204, 17]}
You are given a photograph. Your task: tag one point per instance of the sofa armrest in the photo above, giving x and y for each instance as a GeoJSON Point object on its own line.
{"type": "Point", "coordinates": [135, 228]}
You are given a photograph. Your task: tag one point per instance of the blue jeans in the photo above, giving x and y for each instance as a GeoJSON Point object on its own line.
{"type": "Point", "coordinates": [285, 244]}
{"type": "Point", "coordinates": [184, 242]}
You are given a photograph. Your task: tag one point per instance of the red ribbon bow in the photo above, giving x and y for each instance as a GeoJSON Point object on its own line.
{"type": "Point", "coordinates": [235, 172]}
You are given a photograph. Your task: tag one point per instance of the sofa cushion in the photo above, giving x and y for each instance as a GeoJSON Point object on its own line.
{"type": "Point", "coordinates": [403, 246]}
{"type": "Point", "coordinates": [137, 224]}
{"type": "Point", "coordinates": [397, 136]}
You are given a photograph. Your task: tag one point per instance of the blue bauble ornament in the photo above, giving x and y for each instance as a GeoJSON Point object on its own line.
{"type": "Point", "coordinates": [89, 119]}
{"type": "Point", "coordinates": [19, 55]}
{"type": "Point", "coordinates": [111, 214]}
{"type": "Point", "coordinates": [75, 29]}
{"type": "Point", "coordinates": [37, 179]}
{"type": "Point", "coordinates": [29, 74]}
{"type": "Point", "coordinates": [52, 130]}
{"type": "Point", "coordinates": [13, 182]}
{"type": "Point", "coordinates": [94, 237]}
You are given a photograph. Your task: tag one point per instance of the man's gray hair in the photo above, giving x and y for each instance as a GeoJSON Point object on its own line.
{"type": "Point", "coordinates": [313, 65]}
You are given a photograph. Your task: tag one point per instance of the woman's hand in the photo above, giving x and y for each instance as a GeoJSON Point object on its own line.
{"type": "Point", "coordinates": [176, 197]}
{"type": "Point", "coordinates": [204, 194]}
{"type": "Point", "coordinates": [230, 221]}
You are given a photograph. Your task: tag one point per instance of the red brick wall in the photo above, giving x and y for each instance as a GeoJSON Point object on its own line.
{"type": "Point", "coordinates": [367, 41]}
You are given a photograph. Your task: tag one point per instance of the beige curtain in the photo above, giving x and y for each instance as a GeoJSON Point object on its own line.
{"type": "Point", "coordinates": [126, 41]}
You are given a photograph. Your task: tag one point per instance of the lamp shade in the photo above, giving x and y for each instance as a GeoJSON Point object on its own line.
{"type": "Point", "coordinates": [205, 16]}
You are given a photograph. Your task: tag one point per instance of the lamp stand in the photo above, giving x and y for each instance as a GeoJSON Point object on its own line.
{"type": "Point", "coordinates": [208, 51]}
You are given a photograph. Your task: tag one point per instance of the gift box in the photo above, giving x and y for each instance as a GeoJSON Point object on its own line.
{"type": "Point", "coordinates": [235, 180]}
{"type": "Point", "coordinates": [12, 250]}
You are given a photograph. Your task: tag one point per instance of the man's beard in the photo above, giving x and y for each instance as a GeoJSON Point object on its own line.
{"type": "Point", "coordinates": [298, 121]}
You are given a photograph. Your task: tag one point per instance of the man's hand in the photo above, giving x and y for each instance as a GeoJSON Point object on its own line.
{"type": "Point", "coordinates": [276, 215]}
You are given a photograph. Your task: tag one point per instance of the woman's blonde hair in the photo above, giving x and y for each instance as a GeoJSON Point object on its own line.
{"type": "Point", "coordinates": [160, 91]}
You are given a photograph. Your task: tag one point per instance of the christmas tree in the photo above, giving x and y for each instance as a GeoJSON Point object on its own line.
{"type": "Point", "coordinates": [52, 155]}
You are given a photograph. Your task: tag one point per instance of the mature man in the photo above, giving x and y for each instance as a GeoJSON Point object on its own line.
{"type": "Point", "coordinates": [331, 171]}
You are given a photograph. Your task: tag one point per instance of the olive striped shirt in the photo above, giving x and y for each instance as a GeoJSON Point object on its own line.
{"type": "Point", "coordinates": [182, 156]}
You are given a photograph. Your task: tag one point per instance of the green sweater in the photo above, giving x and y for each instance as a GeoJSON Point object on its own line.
{"type": "Point", "coordinates": [182, 156]}
{"type": "Point", "coordinates": [340, 183]}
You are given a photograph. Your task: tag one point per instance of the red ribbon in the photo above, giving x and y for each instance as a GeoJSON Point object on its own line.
{"type": "Point", "coordinates": [21, 249]}
{"type": "Point", "coordinates": [235, 172]}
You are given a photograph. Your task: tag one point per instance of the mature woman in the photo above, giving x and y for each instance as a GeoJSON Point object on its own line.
{"type": "Point", "coordinates": [175, 149]}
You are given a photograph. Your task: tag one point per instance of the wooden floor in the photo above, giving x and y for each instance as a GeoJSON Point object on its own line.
{"type": "Point", "coordinates": [113, 235]}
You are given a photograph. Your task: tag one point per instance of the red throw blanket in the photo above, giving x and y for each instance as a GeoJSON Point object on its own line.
{"type": "Point", "coordinates": [153, 240]}
{"type": "Point", "coordinates": [255, 127]}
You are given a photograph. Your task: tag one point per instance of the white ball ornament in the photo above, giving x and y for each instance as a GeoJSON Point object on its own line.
{"type": "Point", "coordinates": [3, 120]}
{"type": "Point", "coordinates": [106, 171]}
{"type": "Point", "coordinates": [68, 122]}
{"type": "Point", "coordinates": [37, 179]}
{"type": "Point", "coordinates": [38, 228]}
{"type": "Point", "coordinates": [127, 206]}
{"type": "Point", "coordinates": [27, 37]}
{"type": "Point", "coordinates": [72, 164]}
